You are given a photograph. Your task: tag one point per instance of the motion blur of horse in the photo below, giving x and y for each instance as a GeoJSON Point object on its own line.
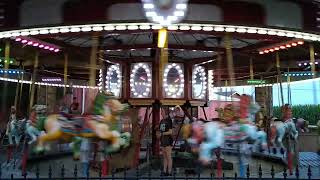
{"type": "Point", "coordinates": [104, 123]}
{"type": "Point", "coordinates": [234, 125]}
{"type": "Point", "coordinates": [281, 128]}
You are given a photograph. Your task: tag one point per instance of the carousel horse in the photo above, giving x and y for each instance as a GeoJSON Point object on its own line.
{"type": "Point", "coordinates": [38, 114]}
{"type": "Point", "coordinates": [236, 126]}
{"type": "Point", "coordinates": [279, 129]}
{"type": "Point", "coordinates": [302, 125]}
{"type": "Point", "coordinates": [103, 124]}
{"type": "Point", "coordinates": [15, 128]}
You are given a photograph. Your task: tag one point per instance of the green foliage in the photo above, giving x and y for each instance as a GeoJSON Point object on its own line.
{"type": "Point", "coordinates": [310, 113]}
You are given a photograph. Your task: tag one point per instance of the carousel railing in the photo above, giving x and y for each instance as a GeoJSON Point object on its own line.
{"type": "Point", "coordinates": [137, 173]}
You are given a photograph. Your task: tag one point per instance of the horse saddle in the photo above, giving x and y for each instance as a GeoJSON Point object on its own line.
{"type": "Point", "coordinates": [72, 122]}
{"type": "Point", "coordinates": [234, 133]}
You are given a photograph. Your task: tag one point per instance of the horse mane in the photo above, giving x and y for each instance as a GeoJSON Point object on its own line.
{"type": "Point", "coordinates": [99, 101]}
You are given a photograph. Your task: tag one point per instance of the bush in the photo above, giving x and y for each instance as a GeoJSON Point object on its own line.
{"type": "Point", "coordinates": [310, 113]}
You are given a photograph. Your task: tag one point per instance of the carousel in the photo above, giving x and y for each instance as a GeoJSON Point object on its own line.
{"type": "Point", "coordinates": [100, 90]}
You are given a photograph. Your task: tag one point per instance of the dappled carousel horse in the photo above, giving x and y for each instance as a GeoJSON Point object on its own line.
{"type": "Point", "coordinates": [279, 129]}
{"type": "Point", "coordinates": [15, 128]}
{"type": "Point", "coordinates": [235, 126]}
{"type": "Point", "coordinates": [103, 124]}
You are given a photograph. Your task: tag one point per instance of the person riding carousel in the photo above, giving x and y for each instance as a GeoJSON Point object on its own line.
{"type": "Point", "coordinates": [286, 113]}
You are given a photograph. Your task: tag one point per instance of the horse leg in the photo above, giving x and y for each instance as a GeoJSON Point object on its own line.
{"type": "Point", "coordinates": [51, 136]}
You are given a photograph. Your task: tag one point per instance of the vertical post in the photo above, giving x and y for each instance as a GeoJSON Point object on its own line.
{"type": "Point", "coordinates": [16, 97]}
{"type": "Point", "coordinates": [65, 73]}
{"type": "Point", "coordinates": [279, 77]}
{"type": "Point", "coordinates": [7, 55]}
{"type": "Point", "coordinates": [6, 66]}
{"type": "Point", "coordinates": [251, 69]}
{"type": "Point", "coordinates": [228, 46]}
{"type": "Point", "coordinates": [312, 60]}
{"type": "Point", "coordinates": [93, 60]}
{"type": "Point", "coordinates": [155, 122]}
{"type": "Point", "coordinates": [34, 75]}
{"type": "Point", "coordinates": [21, 87]}
{"type": "Point", "coordinates": [163, 45]}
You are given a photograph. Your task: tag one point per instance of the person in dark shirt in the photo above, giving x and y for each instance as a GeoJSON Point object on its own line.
{"type": "Point", "coordinates": [166, 141]}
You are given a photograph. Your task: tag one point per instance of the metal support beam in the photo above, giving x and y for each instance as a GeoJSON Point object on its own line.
{"type": "Point", "coordinates": [93, 60]}
{"type": "Point", "coordinates": [312, 60]}
{"type": "Point", "coordinates": [34, 76]}
{"type": "Point", "coordinates": [65, 74]}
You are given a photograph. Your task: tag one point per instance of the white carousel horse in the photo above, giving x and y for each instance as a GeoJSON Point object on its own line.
{"type": "Point", "coordinates": [15, 130]}
{"type": "Point", "coordinates": [279, 129]}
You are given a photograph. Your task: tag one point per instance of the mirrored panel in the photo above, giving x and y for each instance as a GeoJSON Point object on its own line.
{"type": "Point", "coordinates": [199, 82]}
{"type": "Point", "coordinates": [114, 80]}
{"type": "Point", "coordinates": [141, 80]}
{"type": "Point", "coordinates": [173, 81]}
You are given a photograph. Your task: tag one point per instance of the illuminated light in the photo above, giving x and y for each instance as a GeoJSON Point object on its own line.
{"type": "Point", "coordinates": [24, 41]}
{"type": "Point", "coordinates": [300, 42]}
{"type": "Point", "coordinates": [196, 28]}
{"type": "Point", "coordinates": [156, 27]}
{"type": "Point", "coordinates": [282, 47]}
{"type": "Point", "coordinates": [41, 46]}
{"type": "Point", "coordinates": [280, 33]}
{"type": "Point", "coordinates": [271, 50]}
{"type": "Point", "coordinates": [184, 28]}
{"type": "Point", "coordinates": [64, 30]}
{"type": "Point", "coordinates": [307, 37]}
{"type": "Point", "coordinates": [276, 49]}
{"type": "Point", "coordinates": [266, 51]}
{"type": "Point", "coordinates": [34, 32]}
{"type": "Point", "coordinates": [133, 27]}
{"type": "Point", "coordinates": [25, 33]}
{"type": "Point", "coordinates": [241, 30]}
{"type": "Point", "coordinates": [251, 31]}
{"type": "Point", "coordinates": [179, 13]}
{"type": "Point", "coordinates": [44, 31]}
{"type": "Point", "coordinates": [15, 34]}
{"type": "Point", "coordinates": [288, 45]}
{"type": "Point", "coordinates": [289, 34]}
{"type": "Point", "coordinates": [219, 29]}
{"type": "Point", "coordinates": [51, 49]}
{"type": "Point", "coordinates": [162, 38]}
{"type": "Point", "coordinates": [144, 27]}
{"type": "Point", "coordinates": [53, 31]}
{"type": "Point", "coordinates": [294, 44]}
{"type": "Point", "coordinates": [230, 29]}
{"type": "Point", "coordinates": [75, 29]}
{"type": "Point", "coordinates": [18, 39]}
{"type": "Point", "coordinates": [298, 35]}
{"type": "Point", "coordinates": [151, 14]}
{"type": "Point", "coordinates": [86, 29]}
{"type": "Point", "coordinates": [173, 27]}
{"type": "Point", "coordinates": [207, 28]}
{"type": "Point", "coordinates": [109, 28]}
{"type": "Point", "coordinates": [261, 31]}
{"type": "Point", "coordinates": [316, 62]}
{"type": "Point", "coordinates": [299, 64]}
{"type": "Point", "coordinates": [148, 6]}
{"type": "Point", "coordinates": [30, 43]}
{"type": "Point", "coordinates": [181, 6]}
{"type": "Point", "coordinates": [36, 44]}
{"type": "Point", "coordinates": [121, 28]}
{"type": "Point", "coordinates": [271, 32]}
{"type": "Point", "coordinates": [97, 28]}
{"type": "Point", "coordinates": [46, 47]}
{"type": "Point", "coordinates": [305, 64]}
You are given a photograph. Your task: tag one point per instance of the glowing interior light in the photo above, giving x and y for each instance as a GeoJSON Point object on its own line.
{"type": "Point", "coordinates": [30, 43]}
{"type": "Point", "coordinates": [18, 39]}
{"type": "Point", "coordinates": [266, 51]}
{"type": "Point", "coordinates": [288, 45]}
{"type": "Point", "coordinates": [24, 41]}
{"type": "Point", "coordinates": [300, 42]}
{"type": "Point", "coordinates": [51, 49]}
{"type": "Point", "coordinates": [282, 47]}
{"type": "Point", "coordinates": [148, 6]}
{"type": "Point", "coordinates": [162, 38]}
{"type": "Point", "coordinates": [41, 46]}
{"type": "Point", "coordinates": [36, 44]}
{"type": "Point", "coordinates": [56, 50]}
{"type": "Point", "coordinates": [46, 47]}
{"type": "Point", "coordinates": [271, 50]}
{"type": "Point", "coordinates": [276, 49]}
{"type": "Point", "coordinates": [261, 52]}
{"type": "Point", "coordinates": [294, 44]}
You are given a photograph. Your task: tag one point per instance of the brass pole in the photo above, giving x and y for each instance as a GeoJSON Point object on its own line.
{"type": "Point", "coordinates": [279, 76]}
{"type": "Point", "coordinates": [163, 53]}
{"type": "Point", "coordinates": [251, 69]}
{"type": "Point", "coordinates": [65, 74]}
{"type": "Point", "coordinates": [21, 87]}
{"type": "Point", "coordinates": [7, 55]}
{"type": "Point", "coordinates": [312, 60]}
{"type": "Point", "coordinates": [93, 60]}
{"type": "Point", "coordinates": [228, 46]}
{"type": "Point", "coordinates": [34, 74]}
